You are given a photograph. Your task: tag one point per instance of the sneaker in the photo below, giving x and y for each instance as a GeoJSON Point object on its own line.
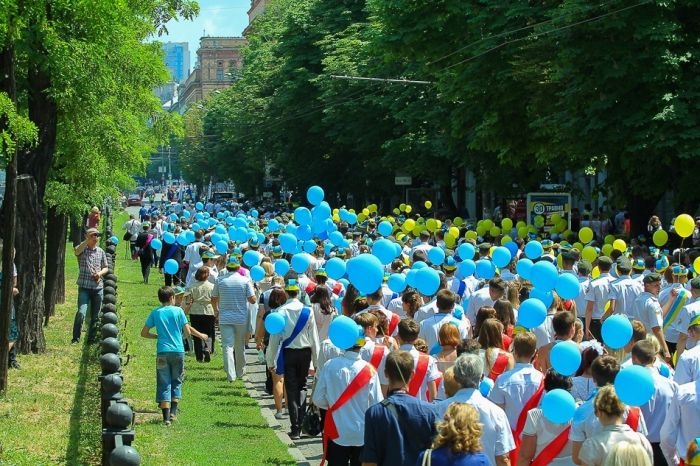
{"type": "Point", "coordinates": [74, 341]}
{"type": "Point", "coordinates": [15, 365]}
{"type": "Point", "coordinates": [166, 423]}
{"type": "Point", "coordinates": [280, 414]}
{"type": "Point", "coordinates": [295, 435]}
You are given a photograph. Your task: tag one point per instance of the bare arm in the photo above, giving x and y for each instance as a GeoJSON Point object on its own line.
{"type": "Point", "coordinates": [589, 317]}
{"type": "Point", "coordinates": [664, 348]}
{"type": "Point", "coordinates": [528, 447]}
{"type": "Point", "coordinates": [432, 389]}
{"type": "Point", "coordinates": [80, 248]}
{"type": "Point", "coordinates": [146, 333]}
{"type": "Point", "coordinates": [251, 299]}
{"type": "Point", "coordinates": [680, 346]}
{"type": "Point", "coordinates": [575, 449]}
{"type": "Point", "coordinates": [193, 331]}
{"type": "Point", "coordinates": [502, 460]}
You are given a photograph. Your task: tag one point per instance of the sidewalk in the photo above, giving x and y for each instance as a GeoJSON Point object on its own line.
{"type": "Point", "coordinates": [307, 450]}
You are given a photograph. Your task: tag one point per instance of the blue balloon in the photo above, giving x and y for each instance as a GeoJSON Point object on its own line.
{"type": "Point", "coordinates": [501, 256]}
{"type": "Point", "coordinates": [466, 268]}
{"type": "Point", "coordinates": [239, 222]}
{"type": "Point", "coordinates": [220, 229]}
{"type": "Point", "coordinates": [567, 286]}
{"type": "Point", "coordinates": [513, 248]}
{"type": "Point", "coordinates": [366, 273]}
{"type": "Point", "coordinates": [288, 242]}
{"type": "Point", "coordinates": [634, 385]}
{"type": "Point", "coordinates": [275, 323]}
{"type": "Point", "coordinates": [411, 278]}
{"type": "Point", "coordinates": [544, 276]}
{"type": "Point", "coordinates": [565, 357]}
{"type": "Point", "coordinates": [114, 240]}
{"type": "Point", "coordinates": [384, 228]}
{"type": "Point", "coordinates": [168, 238]}
{"type": "Point", "coordinates": [485, 269]}
{"type": "Point", "coordinates": [273, 225]}
{"type": "Point", "coordinates": [257, 273]}
{"type": "Point", "coordinates": [524, 268]}
{"type": "Point", "coordinates": [302, 216]}
{"type": "Point", "coordinates": [171, 266]}
{"type": "Point", "coordinates": [240, 235]}
{"type": "Point", "coordinates": [419, 265]}
{"type": "Point", "coordinates": [173, 217]}
{"type": "Point", "coordinates": [195, 226]}
{"type": "Point", "coordinates": [199, 206]}
{"type": "Point", "coordinates": [531, 313]}
{"type": "Point", "coordinates": [251, 258]}
{"type": "Point", "coordinates": [182, 239]}
{"type": "Point", "coordinates": [466, 251]}
{"type": "Point", "coordinates": [344, 332]}
{"type": "Point", "coordinates": [335, 268]}
{"type": "Point", "coordinates": [336, 238]}
{"type": "Point", "coordinates": [281, 267]}
{"type": "Point", "coordinates": [397, 282]}
{"type": "Point", "coordinates": [436, 256]}
{"type": "Point", "coordinates": [315, 195]}
{"type": "Point", "coordinates": [345, 282]}
{"type": "Point", "coordinates": [351, 218]}
{"type": "Point", "coordinates": [485, 387]}
{"type": "Point", "coordinates": [221, 247]}
{"type": "Point", "coordinates": [156, 244]}
{"type": "Point", "coordinates": [301, 262]}
{"type": "Point", "coordinates": [545, 297]}
{"type": "Point", "coordinates": [321, 211]}
{"type": "Point", "coordinates": [310, 246]}
{"type": "Point", "coordinates": [384, 250]}
{"type": "Point", "coordinates": [254, 213]}
{"type": "Point", "coordinates": [304, 233]}
{"type": "Point", "coordinates": [533, 250]}
{"type": "Point", "coordinates": [199, 216]}
{"type": "Point", "coordinates": [458, 312]}
{"type": "Point", "coordinates": [186, 214]}
{"type": "Point", "coordinates": [558, 406]}
{"type": "Point", "coordinates": [427, 281]}
{"type": "Point", "coordinates": [189, 235]}
{"type": "Point", "coordinates": [616, 331]}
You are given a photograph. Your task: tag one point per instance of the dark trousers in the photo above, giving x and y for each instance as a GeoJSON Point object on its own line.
{"type": "Point", "coordinates": [338, 455]}
{"type": "Point", "coordinates": [296, 369]}
{"type": "Point", "coordinates": [204, 324]}
{"type": "Point", "coordinates": [146, 263]}
{"type": "Point", "coordinates": [659, 459]}
{"type": "Point", "coordinates": [671, 347]}
{"type": "Point", "coordinates": [596, 327]}
{"type": "Point", "coordinates": [169, 280]}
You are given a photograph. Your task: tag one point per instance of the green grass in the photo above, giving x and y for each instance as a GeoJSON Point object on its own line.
{"type": "Point", "coordinates": [50, 414]}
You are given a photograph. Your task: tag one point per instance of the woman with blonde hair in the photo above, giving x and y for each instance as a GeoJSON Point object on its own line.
{"type": "Point", "coordinates": [627, 454]}
{"type": "Point", "coordinates": [458, 441]}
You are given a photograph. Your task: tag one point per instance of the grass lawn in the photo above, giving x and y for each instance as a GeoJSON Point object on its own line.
{"type": "Point", "coordinates": [50, 414]}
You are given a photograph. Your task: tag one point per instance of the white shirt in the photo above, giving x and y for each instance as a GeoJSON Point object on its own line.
{"type": "Point", "coordinates": [307, 338]}
{"type": "Point", "coordinates": [599, 294]}
{"type": "Point", "coordinates": [478, 299]}
{"type": "Point", "coordinates": [496, 436]}
{"type": "Point", "coordinates": [350, 417]}
{"type": "Point", "coordinates": [648, 311]}
{"type": "Point", "coordinates": [682, 423]}
{"type": "Point", "coordinates": [396, 306]}
{"type": "Point", "coordinates": [595, 449]}
{"type": "Point", "coordinates": [586, 423]}
{"type": "Point", "coordinates": [546, 431]}
{"type": "Point", "coordinates": [430, 328]}
{"type": "Point", "coordinates": [544, 332]}
{"type": "Point", "coordinates": [624, 291]}
{"type": "Point", "coordinates": [514, 388]}
{"type": "Point", "coordinates": [327, 352]}
{"type": "Point", "coordinates": [655, 411]}
{"type": "Point", "coordinates": [688, 367]}
{"type": "Point", "coordinates": [431, 374]}
{"type": "Point", "coordinates": [580, 300]}
{"type": "Point", "coordinates": [425, 311]}
{"type": "Point", "coordinates": [366, 354]}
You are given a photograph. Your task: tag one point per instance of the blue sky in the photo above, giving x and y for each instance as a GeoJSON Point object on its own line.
{"type": "Point", "coordinates": [216, 18]}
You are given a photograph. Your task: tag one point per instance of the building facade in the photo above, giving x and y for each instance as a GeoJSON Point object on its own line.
{"type": "Point", "coordinates": [177, 60]}
{"type": "Point", "coordinates": [218, 59]}
{"type": "Point", "coordinates": [256, 9]}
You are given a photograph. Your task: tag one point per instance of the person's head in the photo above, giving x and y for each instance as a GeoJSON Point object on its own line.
{"type": "Point", "coordinates": [369, 323]}
{"type": "Point", "coordinates": [424, 236]}
{"type": "Point", "coordinates": [166, 295]}
{"type": "Point", "coordinates": [607, 404]}
{"type": "Point", "coordinates": [449, 335]}
{"type": "Point", "coordinates": [382, 322]}
{"type": "Point", "coordinates": [469, 345]}
{"type": "Point", "coordinates": [202, 274]}
{"type": "Point", "coordinates": [524, 346]}
{"type": "Point", "coordinates": [360, 304]}
{"type": "Point", "coordinates": [578, 333]}
{"type": "Point", "coordinates": [449, 382]}
{"type": "Point", "coordinates": [644, 353]}
{"type": "Point", "coordinates": [497, 288]}
{"type": "Point", "coordinates": [554, 380]}
{"type": "Point", "coordinates": [504, 312]}
{"type": "Point", "coordinates": [604, 370]}
{"type": "Point", "coordinates": [484, 312]}
{"type": "Point", "coordinates": [468, 369]}
{"type": "Point", "coordinates": [460, 430]}
{"type": "Point", "coordinates": [411, 302]}
{"type": "Point", "coordinates": [322, 296]}
{"type": "Point", "coordinates": [268, 268]}
{"type": "Point", "coordinates": [491, 334]}
{"type": "Point", "coordinates": [399, 367]}
{"type": "Point", "coordinates": [92, 235]}
{"type": "Point", "coordinates": [627, 454]}
{"type": "Point", "coordinates": [652, 283]}
{"type": "Point", "coordinates": [421, 345]}
{"type": "Point", "coordinates": [563, 324]}
{"type": "Point", "coordinates": [604, 264]}
{"type": "Point", "coordinates": [408, 331]}
{"type": "Point", "coordinates": [277, 298]}
{"type": "Point", "coordinates": [374, 298]}
{"type": "Point", "coordinates": [445, 301]}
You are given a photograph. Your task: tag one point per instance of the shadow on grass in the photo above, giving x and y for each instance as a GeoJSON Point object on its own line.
{"type": "Point", "coordinates": [84, 436]}
{"type": "Point", "coordinates": [247, 425]}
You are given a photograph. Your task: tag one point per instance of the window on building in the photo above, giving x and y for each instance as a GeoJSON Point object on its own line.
{"type": "Point", "coordinates": [219, 74]}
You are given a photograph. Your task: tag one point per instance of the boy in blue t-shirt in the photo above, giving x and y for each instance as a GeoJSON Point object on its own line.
{"type": "Point", "coordinates": [170, 323]}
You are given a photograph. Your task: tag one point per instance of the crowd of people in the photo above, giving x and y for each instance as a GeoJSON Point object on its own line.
{"type": "Point", "coordinates": [450, 377]}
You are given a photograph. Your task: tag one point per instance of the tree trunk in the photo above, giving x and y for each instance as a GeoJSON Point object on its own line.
{"type": "Point", "coordinates": [54, 289]}
{"type": "Point", "coordinates": [30, 259]}
{"type": "Point", "coordinates": [76, 232]}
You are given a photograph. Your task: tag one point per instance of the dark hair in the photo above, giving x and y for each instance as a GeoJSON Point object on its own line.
{"type": "Point", "coordinates": [322, 297]}
{"type": "Point", "coordinates": [588, 355]}
{"type": "Point", "coordinates": [644, 352]}
{"type": "Point", "coordinates": [348, 302]}
{"type": "Point", "coordinates": [484, 312]}
{"type": "Point", "coordinates": [419, 255]}
{"type": "Point", "coordinates": [376, 296]}
{"type": "Point", "coordinates": [504, 312]}
{"type": "Point", "coordinates": [491, 334]}
{"type": "Point", "coordinates": [202, 273]}
{"type": "Point", "coordinates": [408, 330]}
{"type": "Point", "coordinates": [399, 366]}
{"type": "Point", "coordinates": [277, 298]}
{"type": "Point", "coordinates": [562, 322]}
{"type": "Point", "coordinates": [445, 300]}
{"type": "Point", "coordinates": [498, 284]}
{"type": "Point", "coordinates": [604, 370]}
{"type": "Point", "coordinates": [382, 322]}
{"type": "Point", "coordinates": [639, 330]}
{"type": "Point", "coordinates": [360, 304]}
{"type": "Point", "coordinates": [554, 380]}
{"type": "Point", "coordinates": [165, 294]}
{"type": "Point", "coordinates": [412, 298]}
{"type": "Point", "coordinates": [468, 346]}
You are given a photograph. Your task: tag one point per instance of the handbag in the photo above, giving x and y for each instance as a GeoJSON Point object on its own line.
{"type": "Point", "coordinates": [427, 456]}
{"type": "Point", "coordinates": [311, 422]}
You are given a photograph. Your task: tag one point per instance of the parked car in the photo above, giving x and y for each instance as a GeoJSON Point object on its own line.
{"type": "Point", "coordinates": [134, 200]}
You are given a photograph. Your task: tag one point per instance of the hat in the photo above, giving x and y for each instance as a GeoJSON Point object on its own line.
{"type": "Point", "coordinates": [638, 264]}
{"type": "Point", "coordinates": [584, 267]}
{"type": "Point", "coordinates": [236, 252]}
{"type": "Point", "coordinates": [694, 319]}
{"type": "Point", "coordinates": [92, 231]}
{"type": "Point", "coordinates": [484, 246]}
{"type": "Point", "coordinates": [695, 283]}
{"type": "Point", "coordinates": [253, 243]}
{"type": "Point", "coordinates": [341, 252]}
{"type": "Point", "coordinates": [624, 263]}
{"type": "Point", "coordinates": [652, 278]}
{"type": "Point", "coordinates": [277, 251]}
{"type": "Point", "coordinates": [604, 260]}
{"type": "Point", "coordinates": [209, 255]}
{"type": "Point", "coordinates": [95, 210]}
{"type": "Point", "coordinates": [547, 244]}
{"type": "Point", "coordinates": [179, 290]}
{"type": "Point", "coordinates": [233, 262]}
{"type": "Point", "coordinates": [291, 285]}
{"type": "Point", "coordinates": [680, 270]}
{"type": "Point", "coordinates": [320, 273]}
{"type": "Point", "coordinates": [449, 264]}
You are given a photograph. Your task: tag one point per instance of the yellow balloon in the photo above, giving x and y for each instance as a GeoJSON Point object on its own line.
{"type": "Point", "coordinates": [428, 204]}
{"type": "Point", "coordinates": [351, 210]}
{"type": "Point", "coordinates": [560, 261]}
{"type": "Point", "coordinates": [607, 249]}
{"type": "Point", "coordinates": [454, 231]}
{"type": "Point", "coordinates": [336, 211]}
{"type": "Point", "coordinates": [555, 218]}
{"type": "Point", "coordinates": [471, 234]}
{"type": "Point", "coordinates": [578, 246]}
{"type": "Point", "coordinates": [409, 225]}
{"type": "Point", "coordinates": [494, 231]}
{"type": "Point", "coordinates": [491, 250]}
{"type": "Point", "coordinates": [402, 207]}
{"type": "Point", "coordinates": [607, 305]}
{"type": "Point", "coordinates": [589, 253]}
{"type": "Point", "coordinates": [539, 221]}
{"type": "Point", "coordinates": [408, 209]}
{"type": "Point", "coordinates": [396, 211]}
{"type": "Point", "coordinates": [336, 218]}
{"type": "Point", "coordinates": [595, 273]}
{"type": "Point", "coordinates": [520, 224]}
{"type": "Point", "coordinates": [432, 225]}
{"type": "Point", "coordinates": [488, 224]}
{"type": "Point", "coordinates": [609, 239]}
{"type": "Point", "coordinates": [696, 265]}
{"type": "Point", "coordinates": [458, 221]}
{"type": "Point", "coordinates": [372, 208]}
{"type": "Point", "coordinates": [507, 224]}
{"type": "Point", "coordinates": [684, 225]}
{"type": "Point", "coordinates": [450, 240]}
{"type": "Point", "coordinates": [660, 237]}
{"type": "Point", "coordinates": [585, 234]}
{"type": "Point", "coordinates": [522, 232]}
{"type": "Point", "coordinates": [418, 229]}
{"type": "Point", "coordinates": [362, 216]}
{"type": "Point", "coordinates": [481, 230]}
{"type": "Point", "coordinates": [505, 240]}
{"type": "Point", "coordinates": [365, 211]}
{"type": "Point", "coordinates": [620, 245]}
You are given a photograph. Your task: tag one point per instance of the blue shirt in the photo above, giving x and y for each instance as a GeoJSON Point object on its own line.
{"type": "Point", "coordinates": [168, 321]}
{"type": "Point", "coordinates": [444, 457]}
{"type": "Point", "coordinates": [388, 444]}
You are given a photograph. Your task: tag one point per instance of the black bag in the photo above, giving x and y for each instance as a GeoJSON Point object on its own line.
{"type": "Point", "coordinates": [126, 237]}
{"type": "Point", "coordinates": [311, 423]}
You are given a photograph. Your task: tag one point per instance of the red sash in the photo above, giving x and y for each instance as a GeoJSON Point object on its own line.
{"type": "Point", "coordinates": [330, 431]}
{"type": "Point", "coordinates": [419, 375]}
{"type": "Point", "coordinates": [499, 366]}
{"type": "Point", "coordinates": [552, 449]}
{"type": "Point", "coordinates": [532, 403]}
{"type": "Point", "coordinates": [393, 323]}
{"type": "Point", "coordinates": [438, 381]}
{"type": "Point", "coordinates": [377, 355]}
{"type": "Point", "coordinates": [633, 418]}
